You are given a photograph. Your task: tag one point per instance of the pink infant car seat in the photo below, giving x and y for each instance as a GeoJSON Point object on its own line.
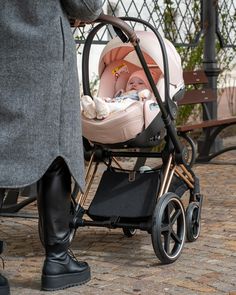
{"type": "Point", "coordinates": [117, 62]}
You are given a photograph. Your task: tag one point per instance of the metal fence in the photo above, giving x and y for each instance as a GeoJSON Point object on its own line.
{"type": "Point", "coordinates": [180, 21]}
{"type": "Point", "coordinates": [176, 20]}
{"type": "Point", "coordinates": [205, 28]}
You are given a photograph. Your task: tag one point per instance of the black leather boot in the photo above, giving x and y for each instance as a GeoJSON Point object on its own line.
{"type": "Point", "coordinates": [4, 286]}
{"type": "Point", "coordinates": [61, 270]}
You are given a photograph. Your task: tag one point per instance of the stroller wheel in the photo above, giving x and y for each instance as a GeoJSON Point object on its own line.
{"type": "Point", "coordinates": [193, 224]}
{"type": "Point", "coordinates": [168, 228]}
{"type": "Point", "coordinates": [129, 232]}
{"type": "Point", "coordinates": [189, 148]}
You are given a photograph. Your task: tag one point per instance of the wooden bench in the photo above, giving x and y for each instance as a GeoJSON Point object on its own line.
{"type": "Point", "coordinates": [13, 200]}
{"type": "Point", "coordinates": [211, 127]}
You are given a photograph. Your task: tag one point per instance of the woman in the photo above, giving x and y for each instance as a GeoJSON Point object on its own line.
{"type": "Point", "coordinates": [40, 128]}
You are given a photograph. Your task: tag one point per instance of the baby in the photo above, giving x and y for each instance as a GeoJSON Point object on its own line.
{"type": "Point", "coordinates": [137, 89]}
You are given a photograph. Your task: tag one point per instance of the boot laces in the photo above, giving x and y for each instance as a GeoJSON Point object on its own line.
{"type": "Point", "coordinates": [72, 255]}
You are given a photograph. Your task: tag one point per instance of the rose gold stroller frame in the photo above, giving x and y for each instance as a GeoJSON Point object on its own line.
{"type": "Point", "coordinates": [170, 170]}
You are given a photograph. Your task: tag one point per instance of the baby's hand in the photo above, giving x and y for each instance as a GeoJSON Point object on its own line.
{"type": "Point", "coordinates": [144, 94]}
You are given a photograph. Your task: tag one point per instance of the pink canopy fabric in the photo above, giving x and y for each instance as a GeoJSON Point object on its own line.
{"type": "Point", "coordinates": [117, 50]}
{"type": "Point", "coordinates": [117, 54]}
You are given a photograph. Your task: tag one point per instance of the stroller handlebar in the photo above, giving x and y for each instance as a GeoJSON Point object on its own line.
{"type": "Point", "coordinates": [120, 24]}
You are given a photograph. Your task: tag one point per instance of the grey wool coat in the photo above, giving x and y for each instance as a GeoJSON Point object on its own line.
{"type": "Point", "coordinates": [39, 89]}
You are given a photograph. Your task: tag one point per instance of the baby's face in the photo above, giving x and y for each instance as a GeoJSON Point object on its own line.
{"type": "Point", "coordinates": [135, 83]}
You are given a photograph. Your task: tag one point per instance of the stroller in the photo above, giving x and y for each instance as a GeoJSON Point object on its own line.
{"type": "Point", "coordinates": [138, 198]}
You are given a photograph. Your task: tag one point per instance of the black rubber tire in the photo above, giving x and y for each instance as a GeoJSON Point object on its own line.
{"type": "Point", "coordinates": [168, 228]}
{"type": "Point", "coordinates": [193, 225]}
{"type": "Point", "coordinates": [190, 151]}
{"type": "Point", "coordinates": [129, 232]}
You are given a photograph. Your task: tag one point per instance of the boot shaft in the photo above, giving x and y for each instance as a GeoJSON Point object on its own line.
{"type": "Point", "coordinates": [54, 204]}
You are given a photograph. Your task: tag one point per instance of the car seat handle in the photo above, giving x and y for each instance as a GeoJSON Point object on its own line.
{"type": "Point", "coordinates": [120, 24]}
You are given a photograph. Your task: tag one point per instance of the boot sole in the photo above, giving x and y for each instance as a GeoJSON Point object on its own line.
{"type": "Point", "coordinates": [63, 281]}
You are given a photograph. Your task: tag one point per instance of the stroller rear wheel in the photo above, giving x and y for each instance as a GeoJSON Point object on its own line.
{"type": "Point", "coordinates": [190, 152]}
{"type": "Point", "coordinates": [168, 228]}
{"type": "Point", "coordinates": [129, 232]}
{"type": "Point", "coordinates": [193, 224]}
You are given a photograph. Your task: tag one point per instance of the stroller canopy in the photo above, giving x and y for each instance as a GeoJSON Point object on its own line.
{"type": "Point", "coordinates": [117, 50]}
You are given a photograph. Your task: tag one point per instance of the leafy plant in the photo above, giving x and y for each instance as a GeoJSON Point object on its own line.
{"type": "Point", "coordinates": [192, 56]}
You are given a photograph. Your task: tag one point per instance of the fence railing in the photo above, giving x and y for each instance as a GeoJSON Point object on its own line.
{"type": "Point", "coordinates": [180, 21]}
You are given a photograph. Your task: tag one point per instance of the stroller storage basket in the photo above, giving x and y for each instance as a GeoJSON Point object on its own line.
{"type": "Point", "coordinates": [125, 194]}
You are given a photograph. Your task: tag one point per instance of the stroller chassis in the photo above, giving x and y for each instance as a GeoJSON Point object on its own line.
{"type": "Point", "coordinates": [169, 207]}
{"type": "Point", "coordinates": [170, 223]}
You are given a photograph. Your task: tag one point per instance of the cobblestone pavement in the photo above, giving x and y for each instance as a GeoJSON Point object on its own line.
{"type": "Point", "coordinates": [122, 265]}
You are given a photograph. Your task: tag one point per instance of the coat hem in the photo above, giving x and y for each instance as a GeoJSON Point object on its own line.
{"type": "Point", "coordinates": [23, 185]}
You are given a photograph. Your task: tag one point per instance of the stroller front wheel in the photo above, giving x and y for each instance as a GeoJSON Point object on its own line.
{"type": "Point", "coordinates": [168, 228]}
{"type": "Point", "coordinates": [193, 225]}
